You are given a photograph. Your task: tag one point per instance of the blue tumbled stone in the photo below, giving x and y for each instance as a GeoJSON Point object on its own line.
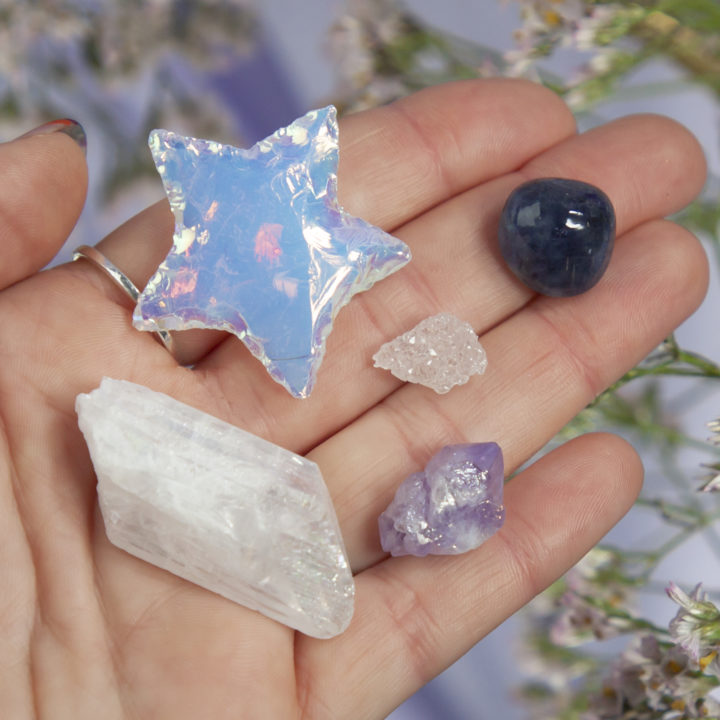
{"type": "Point", "coordinates": [557, 235]}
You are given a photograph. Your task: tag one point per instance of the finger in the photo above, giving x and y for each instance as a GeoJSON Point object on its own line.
{"type": "Point", "coordinates": [546, 363]}
{"type": "Point", "coordinates": [396, 162]}
{"type": "Point", "coordinates": [246, 655]}
{"type": "Point", "coordinates": [44, 180]}
{"type": "Point", "coordinates": [436, 143]}
{"type": "Point", "coordinates": [415, 616]}
{"type": "Point", "coordinates": [16, 595]}
{"type": "Point", "coordinates": [466, 276]}
{"type": "Point", "coordinates": [671, 175]}
{"type": "Point", "coordinates": [141, 244]}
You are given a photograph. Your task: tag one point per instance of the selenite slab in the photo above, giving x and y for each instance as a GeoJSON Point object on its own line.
{"type": "Point", "coordinates": [217, 506]}
{"type": "Point", "coordinates": [262, 248]}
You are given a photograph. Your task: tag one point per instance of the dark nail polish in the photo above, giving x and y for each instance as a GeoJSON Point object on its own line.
{"type": "Point", "coordinates": [71, 128]}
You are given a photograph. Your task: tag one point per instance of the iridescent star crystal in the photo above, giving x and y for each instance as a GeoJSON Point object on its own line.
{"type": "Point", "coordinates": [452, 506]}
{"type": "Point", "coordinates": [262, 248]}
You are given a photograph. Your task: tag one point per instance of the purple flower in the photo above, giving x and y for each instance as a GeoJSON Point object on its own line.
{"type": "Point", "coordinates": [654, 680]}
{"type": "Point", "coordinates": [696, 627]}
{"type": "Point", "coordinates": [595, 589]}
{"type": "Point", "coordinates": [581, 621]}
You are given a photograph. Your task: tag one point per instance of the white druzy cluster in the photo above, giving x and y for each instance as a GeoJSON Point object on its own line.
{"type": "Point", "coordinates": [440, 352]}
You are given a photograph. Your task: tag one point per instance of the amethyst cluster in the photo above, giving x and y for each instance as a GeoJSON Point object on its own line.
{"type": "Point", "coordinates": [452, 506]}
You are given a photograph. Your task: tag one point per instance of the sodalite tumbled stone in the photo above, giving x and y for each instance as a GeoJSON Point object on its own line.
{"type": "Point", "coordinates": [452, 506]}
{"type": "Point", "coordinates": [557, 235]}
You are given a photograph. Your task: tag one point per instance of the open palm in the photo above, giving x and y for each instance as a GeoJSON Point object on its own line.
{"type": "Point", "coordinates": [87, 631]}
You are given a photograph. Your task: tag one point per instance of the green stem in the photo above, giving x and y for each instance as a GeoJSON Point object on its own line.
{"type": "Point", "coordinates": [709, 368]}
{"type": "Point", "coordinates": [688, 48]}
{"type": "Point", "coordinates": [696, 521]}
{"type": "Point", "coordinates": [635, 373]}
{"type": "Point", "coordinates": [689, 516]}
{"type": "Point", "coordinates": [699, 367]}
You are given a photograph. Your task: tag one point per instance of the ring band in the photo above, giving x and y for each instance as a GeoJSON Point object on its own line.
{"type": "Point", "coordinates": [94, 256]}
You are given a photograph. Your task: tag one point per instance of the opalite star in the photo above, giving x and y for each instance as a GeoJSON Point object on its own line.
{"type": "Point", "coordinates": [262, 248]}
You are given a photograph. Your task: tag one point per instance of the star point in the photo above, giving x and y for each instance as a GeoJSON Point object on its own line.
{"type": "Point", "coordinates": [262, 248]}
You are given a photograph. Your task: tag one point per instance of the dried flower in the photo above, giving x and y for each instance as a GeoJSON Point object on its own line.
{"type": "Point", "coordinates": [125, 65]}
{"type": "Point", "coordinates": [714, 426]}
{"type": "Point", "coordinates": [590, 27]}
{"type": "Point", "coordinates": [711, 480]}
{"type": "Point", "coordinates": [654, 680]}
{"type": "Point", "coordinates": [696, 627]}
{"type": "Point", "coordinates": [548, 24]}
{"type": "Point", "coordinates": [583, 619]}
{"type": "Point", "coordinates": [595, 588]}
{"type": "Point", "coordinates": [359, 42]}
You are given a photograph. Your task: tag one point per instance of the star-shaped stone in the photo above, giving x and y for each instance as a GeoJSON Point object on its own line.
{"type": "Point", "coordinates": [262, 248]}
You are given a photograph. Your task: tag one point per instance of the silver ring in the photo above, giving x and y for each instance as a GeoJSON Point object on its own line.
{"type": "Point", "coordinates": [94, 256]}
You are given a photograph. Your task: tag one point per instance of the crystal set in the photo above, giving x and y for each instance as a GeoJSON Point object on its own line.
{"type": "Point", "coordinates": [263, 250]}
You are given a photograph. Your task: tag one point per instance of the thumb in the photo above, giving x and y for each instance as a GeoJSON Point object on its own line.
{"type": "Point", "coordinates": [43, 181]}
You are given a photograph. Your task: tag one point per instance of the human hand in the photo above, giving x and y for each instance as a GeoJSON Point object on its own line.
{"type": "Point", "coordinates": [87, 631]}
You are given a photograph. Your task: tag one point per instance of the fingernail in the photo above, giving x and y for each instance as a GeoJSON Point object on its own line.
{"type": "Point", "coordinates": [71, 128]}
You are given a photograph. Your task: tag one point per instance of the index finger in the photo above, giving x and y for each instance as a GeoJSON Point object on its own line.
{"type": "Point", "coordinates": [398, 161]}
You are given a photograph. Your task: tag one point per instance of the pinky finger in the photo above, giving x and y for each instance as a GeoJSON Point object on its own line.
{"type": "Point", "coordinates": [415, 616]}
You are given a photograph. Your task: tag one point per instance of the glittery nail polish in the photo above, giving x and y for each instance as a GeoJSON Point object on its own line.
{"type": "Point", "coordinates": [71, 128]}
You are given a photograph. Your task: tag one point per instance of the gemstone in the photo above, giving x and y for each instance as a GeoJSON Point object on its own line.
{"type": "Point", "coordinates": [217, 506]}
{"type": "Point", "coordinates": [557, 235]}
{"type": "Point", "coordinates": [440, 352]}
{"type": "Point", "coordinates": [453, 506]}
{"type": "Point", "coordinates": [262, 248]}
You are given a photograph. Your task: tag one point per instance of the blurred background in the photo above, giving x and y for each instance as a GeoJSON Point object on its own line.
{"type": "Point", "coordinates": [236, 70]}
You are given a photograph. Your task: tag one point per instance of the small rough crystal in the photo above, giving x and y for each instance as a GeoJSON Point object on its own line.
{"type": "Point", "coordinates": [452, 506]}
{"type": "Point", "coordinates": [217, 506]}
{"type": "Point", "coordinates": [439, 352]}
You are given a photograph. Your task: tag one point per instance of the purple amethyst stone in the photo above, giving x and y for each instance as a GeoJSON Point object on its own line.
{"type": "Point", "coordinates": [452, 506]}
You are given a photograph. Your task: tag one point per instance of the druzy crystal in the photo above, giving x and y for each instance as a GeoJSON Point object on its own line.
{"type": "Point", "coordinates": [217, 506]}
{"type": "Point", "coordinates": [453, 506]}
{"type": "Point", "coordinates": [557, 235]}
{"type": "Point", "coordinates": [440, 352]}
{"type": "Point", "coordinates": [262, 248]}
